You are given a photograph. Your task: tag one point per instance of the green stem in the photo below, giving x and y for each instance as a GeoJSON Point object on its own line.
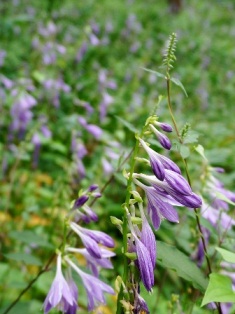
{"type": "Point", "coordinates": [125, 227]}
{"type": "Point", "coordinates": [189, 181]}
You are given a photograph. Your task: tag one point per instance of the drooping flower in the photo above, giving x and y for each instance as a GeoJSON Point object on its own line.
{"type": "Point", "coordinates": [95, 263]}
{"type": "Point", "coordinates": [91, 238]}
{"type": "Point", "coordinates": [158, 209]}
{"type": "Point", "coordinates": [60, 295]}
{"type": "Point", "coordinates": [95, 288]}
{"type": "Point", "coordinates": [163, 139]}
{"type": "Point", "coordinates": [155, 162]}
{"type": "Point", "coordinates": [145, 248]}
{"type": "Point", "coordinates": [164, 126]}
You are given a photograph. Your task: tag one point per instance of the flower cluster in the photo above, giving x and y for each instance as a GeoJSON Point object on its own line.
{"type": "Point", "coordinates": [63, 293]}
{"type": "Point", "coordinates": [164, 189]}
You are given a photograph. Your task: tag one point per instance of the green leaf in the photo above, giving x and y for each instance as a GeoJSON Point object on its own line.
{"type": "Point", "coordinates": [24, 257]}
{"type": "Point", "coordinates": [200, 149]}
{"type": "Point", "coordinates": [127, 124]}
{"type": "Point", "coordinates": [227, 255]}
{"type": "Point", "coordinates": [171, 257]}
{"type": "Point", "coordinates": [30, 237]}
{"type": "Point", "coordinates": [155, 72]}
{"type": "Point", "coordinates": [219, 290]}
{"type": "Point", "coordinates": [178, 83]}
{"type": "Point", "coordinates": [184, 151]}
{"type": "Point", "coordinates": [191, 137]}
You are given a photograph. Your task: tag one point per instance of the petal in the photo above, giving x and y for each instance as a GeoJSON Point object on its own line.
{"type": "Point", "coordinates": [145, 265]}
{"type": "Point", "coordinates": [169, 164]}
{"type": "Point", "coordinates": [148, 239]}
{"type": "Point", "coordinates": [177, 182]}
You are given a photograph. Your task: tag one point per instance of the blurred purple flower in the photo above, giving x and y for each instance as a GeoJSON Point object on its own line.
{"type": "Point", "coordinates": [21, 111]}
{"type": "Point", "coordinates": [60, 295]}
{"type": "Point", "coordinates": [106, 101]}
{"type": "Point", "coordinates": [95, 263]}
{"type": "Point", "coordinates": [164, 126]}
{"type": "Point", "coordinates": [93, 129]}
{"type": "Point", "coordinates": [2, 57]}
{"type": "Point", "coordinates": [95, 288]}
{"type": "Point", "coordinates": [81, 52]}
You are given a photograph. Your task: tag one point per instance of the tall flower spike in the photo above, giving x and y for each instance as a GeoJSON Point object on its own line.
{"type": "Point", "coordinates": [94, 287]}
{"type": "Point", "coordinates": [60, 295]}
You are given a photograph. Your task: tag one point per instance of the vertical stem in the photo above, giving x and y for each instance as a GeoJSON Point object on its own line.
{"type": "Point", "coordinates": [125, 227]}
{"type": "Point", "coordinates": [189, 181]}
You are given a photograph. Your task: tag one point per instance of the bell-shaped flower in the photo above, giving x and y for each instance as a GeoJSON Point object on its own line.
{"type": "Point", "coordinates": [98, 236]}
{"type": "Point", "coordinates": [163, 139]}
{"type": "Point", "coordinates": [145, 264]}
{"type": "Point", "coordinates": [156, 165]}
{"type": "Point", "coordinates": [90, 244]}
{"type": "Point", "coordinates": [177, 182]}
{"type": "Point", "coordinates": [157, 208]}
{"type": "Point", "coordinates": [95, 288]}
{"type": "Point", "coordinates": [147, 237]}
{"type": "Point", "coordinates": [144, 259]}
{"type": "Point", "coordinates": [61, 295]}
{"type": "Point", "coordinates": [95, 263]}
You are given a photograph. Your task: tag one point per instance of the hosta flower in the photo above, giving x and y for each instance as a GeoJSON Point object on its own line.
{"type": "Point", "coordinates": [95, 288]}
{"type": "Point", "coordinates": [91, 238]}
{"type": "Point", "coordinates": [164, 126]}
{"type": "Point", "coordinates": [181, 193]}
{"type": "Point", "coordinates": [163, 139]}
{"type": "Point", "coordinates": [156, 165]}
{"type": "Point", "coordinates": [95, 263]}
{"type": "Point", "coordinates": [145, 247]}
{"type": "Point", "coordinates": [61, 295]}
{"type": "Point", "coordinates": [158, 209]}
{"type": "Point", "coordinates": [145, 264]}
{"type": "Point", "coordinates": [158, 162]}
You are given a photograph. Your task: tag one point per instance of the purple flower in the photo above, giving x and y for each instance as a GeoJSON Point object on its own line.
{"type": "Point", "coordinates": [158, 209]}
{"type": "Point", "coordinates": [140, 305]}
{"type": "Point", "coordinates": [145, 264]}
{"type": "Point", "coordinates": [95, 288]}
{"type": "Point", "coordinates": [95, 263]}
{"type": "Point", "coordinates": [157, 166]}
{"type": "Point", "coordinates": [164, 126]}
{"type": "Point", "coordinates": [91, 128]}
{"type": "Point", "coordinates": [60, 295]}
{"type": "Point", "coordinates": [21, 111]}
{"type": "Point", "coordinates": [80, 201]}
{"type": "Point", "coordinates": [147, 237]}
{"type": "Point", "coordinates": [177, 182]}
{"type": "Point", "coordinates": [163, 139]}
{"type": "Point", "coordinates": [91, 238]}
{"type": "Point", "coordinates": [92, 188]}
{"type": "Point", "coordinates": [90, 244]}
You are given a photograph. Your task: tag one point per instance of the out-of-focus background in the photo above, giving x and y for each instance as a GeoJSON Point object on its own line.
{"type": "Point", "coordinates": [73, 90]}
